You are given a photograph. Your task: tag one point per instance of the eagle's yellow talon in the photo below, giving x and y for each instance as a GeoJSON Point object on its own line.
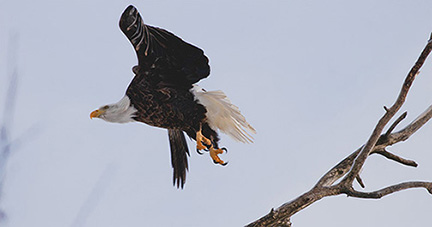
{"type": "Point", "coordinates": [214, 155]}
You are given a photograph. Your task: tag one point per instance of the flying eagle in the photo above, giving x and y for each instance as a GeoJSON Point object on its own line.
{"type": "Point", "coordinates": [163, 94]}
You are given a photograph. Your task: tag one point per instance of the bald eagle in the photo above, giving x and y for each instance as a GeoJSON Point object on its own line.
{"type": "Point", "coordinates": [163, 94]}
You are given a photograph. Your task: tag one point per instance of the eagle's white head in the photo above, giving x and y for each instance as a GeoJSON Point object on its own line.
{"type": "Point", "coordinates": [120, 112]}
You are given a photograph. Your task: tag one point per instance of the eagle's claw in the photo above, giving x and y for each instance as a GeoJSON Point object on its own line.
{"type": "Point", "coordinates": [222, 164]}
{"type": "Point", "coordinates": [201, 153]}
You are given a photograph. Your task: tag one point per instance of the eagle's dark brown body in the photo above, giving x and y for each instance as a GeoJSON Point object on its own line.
{"type": "Point", "coordinates": [166, 107]}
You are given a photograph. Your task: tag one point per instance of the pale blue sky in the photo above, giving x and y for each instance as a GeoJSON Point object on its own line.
{"type": "Point", "coordinates": [310, 76]}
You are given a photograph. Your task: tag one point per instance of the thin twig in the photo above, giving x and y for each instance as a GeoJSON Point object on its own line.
{"type": "Point", "coordinates": [395, 158]}
{"type": "Point", "coordinates": [8, 114]}
{"type": "Point", "coordinates": [360, 181]}
{"type": "Point", "coordinates": [94, 196]}
{"type": "Point", "coordinates": [389, 190]}
{"type": "Point", "coordinates": [393, 126]}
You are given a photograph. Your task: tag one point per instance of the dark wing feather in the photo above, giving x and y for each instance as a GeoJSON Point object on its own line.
{"type": "Point", "coordinates": [179, 153]}
{"type": "Point", "coordinates": [173, 61]}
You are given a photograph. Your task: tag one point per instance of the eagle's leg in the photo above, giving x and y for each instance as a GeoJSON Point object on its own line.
{"type": "Point", "coordinates": [200, 139]}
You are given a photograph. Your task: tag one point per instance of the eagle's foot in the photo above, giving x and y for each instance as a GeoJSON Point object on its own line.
{"type": "Point", "coordinates": [202, 142]}
{"type": "Point", "coordinates": [214, 155]}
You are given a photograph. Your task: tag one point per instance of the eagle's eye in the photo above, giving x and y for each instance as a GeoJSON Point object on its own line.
{"type": "Point", "coordinates": [105, 107]}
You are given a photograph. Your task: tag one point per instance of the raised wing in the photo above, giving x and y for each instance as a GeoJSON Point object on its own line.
{"type": "Point", "coordinates": [173, 60]}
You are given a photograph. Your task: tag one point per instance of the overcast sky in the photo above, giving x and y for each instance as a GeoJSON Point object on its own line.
{"type": "Point", "coordinates": [310, 76]}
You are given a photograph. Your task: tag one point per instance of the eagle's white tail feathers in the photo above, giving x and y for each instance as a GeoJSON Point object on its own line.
{"type": "Point", "coordinates": [223, 115]}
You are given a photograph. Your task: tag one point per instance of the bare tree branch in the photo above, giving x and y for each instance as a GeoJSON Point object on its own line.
{"type": "Point", "coordinates": [373, 139]}
{"type": "Point", "coordinates": [349, 168]}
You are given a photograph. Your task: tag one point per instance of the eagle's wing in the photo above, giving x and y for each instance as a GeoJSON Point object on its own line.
{"type": "Point", "coordinates": [172, 60]}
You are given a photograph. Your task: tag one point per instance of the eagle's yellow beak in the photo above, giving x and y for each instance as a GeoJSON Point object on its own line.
{"type": "Point", "coordinates": [96, 113]}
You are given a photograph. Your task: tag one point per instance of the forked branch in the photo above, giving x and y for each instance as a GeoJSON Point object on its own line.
{"type": "Point", "coordinates": [349, 168]}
